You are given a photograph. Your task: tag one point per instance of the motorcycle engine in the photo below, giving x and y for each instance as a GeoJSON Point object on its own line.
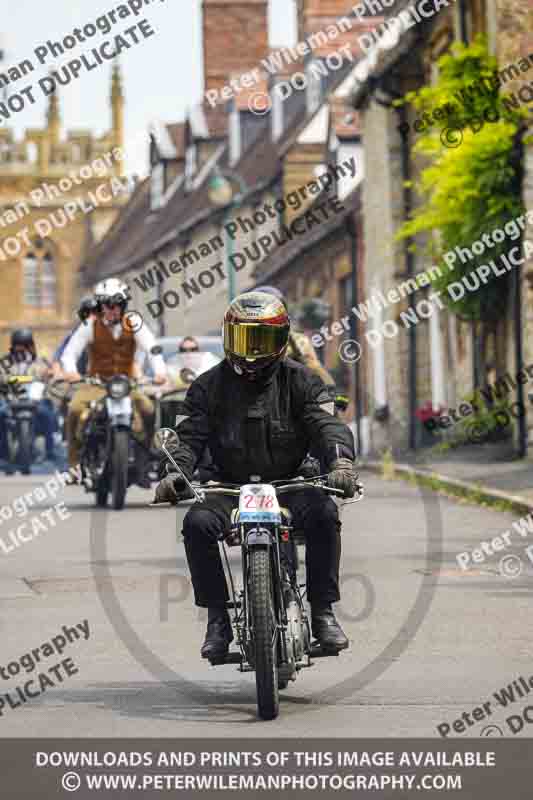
{"type": "Point", "coordinates": [297, 630]}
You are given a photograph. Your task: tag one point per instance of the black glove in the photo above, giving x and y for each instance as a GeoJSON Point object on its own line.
{"type": "Point", "coordinates": [309, 468]}
{"type": "Point", "coordinates": [343, 476]}
{"type": "Point", "coordinates": [168, 490]}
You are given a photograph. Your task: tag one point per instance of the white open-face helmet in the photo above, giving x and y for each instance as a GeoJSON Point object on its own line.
{"type": "Point", "coordinates": [112, 291]}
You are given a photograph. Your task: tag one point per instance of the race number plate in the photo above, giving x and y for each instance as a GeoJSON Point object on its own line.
{"type": "Point", "coordinates": [258, 503]}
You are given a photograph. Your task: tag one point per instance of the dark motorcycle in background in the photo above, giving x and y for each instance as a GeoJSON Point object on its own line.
{"type": "Point", "coordinates": [22, 395]}
{"type": "Point", "coordinates": [270, 622]}
{"type": "Point", "coordinates": [182, 369]}
{"type": "Point", "coordinates": [110, 452]}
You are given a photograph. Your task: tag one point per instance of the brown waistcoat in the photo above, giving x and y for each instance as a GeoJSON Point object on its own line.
{"type": "Point", "coordinates": [108, 356]}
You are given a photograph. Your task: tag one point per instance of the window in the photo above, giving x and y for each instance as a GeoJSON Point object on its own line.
{"type": "Point", "coordinates": [39, 277]}
{"type": "Point", "coordinates": [48, 282]}
{"type": "Point", "coordinates": [31, 280]}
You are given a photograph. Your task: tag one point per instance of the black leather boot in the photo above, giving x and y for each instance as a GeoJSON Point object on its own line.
{"type": "Point", "coordinates": [327, 630]}
{"type": "Point", "coordinates": [218, 636]}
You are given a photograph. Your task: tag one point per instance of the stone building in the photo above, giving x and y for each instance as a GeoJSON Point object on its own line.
{"type": "Point", "coordinates": [432, 361]}
{"type": "Point", "coordinates": [58, 196]}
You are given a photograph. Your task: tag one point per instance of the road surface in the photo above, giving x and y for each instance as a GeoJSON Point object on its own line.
{"type": "Point", "coordinates": [428, 640]}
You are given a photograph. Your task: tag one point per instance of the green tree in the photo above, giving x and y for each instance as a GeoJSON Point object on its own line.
{"type": "Point", "coordinates": [469, 186]}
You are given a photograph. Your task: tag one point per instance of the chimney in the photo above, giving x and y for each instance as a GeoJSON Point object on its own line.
{"type": "Point", "coordinates": [317, 15]}
{"type": "Point", "coordinates": [235, 38]}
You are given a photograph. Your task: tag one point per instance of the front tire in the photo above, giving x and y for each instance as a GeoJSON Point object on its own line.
{"type": "Point", "coordinates": [119, 468]}
{"type": "Point", "coordinates": [24, 456]}
{"type": "Point", "coordinates": [102, 491]}
{"type": "Point", "coordinates": [264, 634]}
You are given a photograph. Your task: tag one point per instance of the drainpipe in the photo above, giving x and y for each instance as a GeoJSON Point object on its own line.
{"type": "Point", "coordinates": [409, 261]}
{"type": "Point", "coordinates": [463, 27]}
{"type": "Point", "coordinates": [161, 322]}
{"type": "Point", "coordinates": [516, 278]}
{"type": "Point", "coordinates": [354, 326]}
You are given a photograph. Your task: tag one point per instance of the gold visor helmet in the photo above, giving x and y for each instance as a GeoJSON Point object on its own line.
{"type": "Point", "coordinates": [255, 332]}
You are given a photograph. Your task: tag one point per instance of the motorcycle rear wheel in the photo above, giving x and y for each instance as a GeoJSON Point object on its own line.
{"type": "Point", "coordinates": [264, 630]}
{"type": "Point", "coordinates": [119, 468]}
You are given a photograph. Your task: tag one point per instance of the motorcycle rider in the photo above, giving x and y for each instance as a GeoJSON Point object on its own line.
{"type": "Point", "coordinates": [87, 310]}
{"type": "Point", "coordinates": [259, 413]}
{"type": "Point", "coordinates": [300, 346]}
{"type": "Point", "coordinates": [189, 345]}
{"type": "Point", "coordinates": [114, 348]}
{"type": "Point", "coordinates": [22, 359]}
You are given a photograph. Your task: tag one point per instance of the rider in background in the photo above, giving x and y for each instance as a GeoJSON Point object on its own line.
{"type": "Point", "coordinates": [114, 349]}
{"type": "Point", "coordinates": [87, 310]}
{"type": "Point", "coordinates": [193, 358]}
{"type": "Point", "coordinates": [23, 359]}
{"type": "Point", "coordinates": [300, 346]}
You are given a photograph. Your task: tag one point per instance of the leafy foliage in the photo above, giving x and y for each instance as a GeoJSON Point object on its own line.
{"type": "Point", "coordinates": [487, 421]}
{"type": "Point", "coordinates": [469, 189]}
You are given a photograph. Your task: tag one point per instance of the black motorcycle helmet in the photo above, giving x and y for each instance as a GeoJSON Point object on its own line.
{"type": "Point", "coordinates": [273, 291]}
{"type": "Point", "coordinates": [22, 337]}
{"type": "Point", "coordinates": [88, 306]}
{"type": "Point", "coordinates": [255, 333]}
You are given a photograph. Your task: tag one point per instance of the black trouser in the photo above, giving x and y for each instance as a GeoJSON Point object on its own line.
{"type": "Point", "coordinates": [313, 512]}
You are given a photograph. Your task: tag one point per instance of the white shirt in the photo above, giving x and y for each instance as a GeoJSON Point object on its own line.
{"type": "Point", "coordinates": [84, 336]}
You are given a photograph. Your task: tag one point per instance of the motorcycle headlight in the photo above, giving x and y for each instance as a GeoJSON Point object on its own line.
{"type": "Point", "coordinates": [117, 388]}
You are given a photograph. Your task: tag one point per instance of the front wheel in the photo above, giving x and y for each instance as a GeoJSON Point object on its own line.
{"type": "Point", "coordinates": [119, 468]}
{"type": "Point", "coordinates": [264, 633]}
{"type": "Point", "coordinates": [24, 456]}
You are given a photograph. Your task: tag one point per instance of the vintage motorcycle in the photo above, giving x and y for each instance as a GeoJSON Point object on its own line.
{"type": "Point", "coordinates": [270, 622]}
{"type": "Point", "coordinates": [110, 452]}
{"type": "Point", "coordinates": [23, 393]}
{"type": "Point", "coordinates": [183, 369]}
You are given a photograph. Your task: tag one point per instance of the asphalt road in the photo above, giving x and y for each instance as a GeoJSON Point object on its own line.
{"type": "Point", "coordinates": [428, 641]}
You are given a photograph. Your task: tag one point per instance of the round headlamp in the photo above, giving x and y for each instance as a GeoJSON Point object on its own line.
{"type": "Point", "coordinates": [118, 387]}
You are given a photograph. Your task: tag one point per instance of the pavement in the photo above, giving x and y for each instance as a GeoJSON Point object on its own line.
{"type": "Point", "coordinates": [429, 641]}
{"type": "Point", "coordinates": [495, 469]}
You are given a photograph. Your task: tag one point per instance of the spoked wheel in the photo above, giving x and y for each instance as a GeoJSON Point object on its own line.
{"type": "Point", "coordinates": [265, 638]}
{"type": "Point", "coordinates": [91, 459]}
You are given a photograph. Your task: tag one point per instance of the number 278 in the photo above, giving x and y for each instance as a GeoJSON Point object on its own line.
{"type": "Point", "coordinates": [258, 501]}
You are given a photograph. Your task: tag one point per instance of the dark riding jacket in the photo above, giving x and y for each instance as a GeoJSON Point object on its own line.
{"type": "Point", "coordinates": [263, 429]}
